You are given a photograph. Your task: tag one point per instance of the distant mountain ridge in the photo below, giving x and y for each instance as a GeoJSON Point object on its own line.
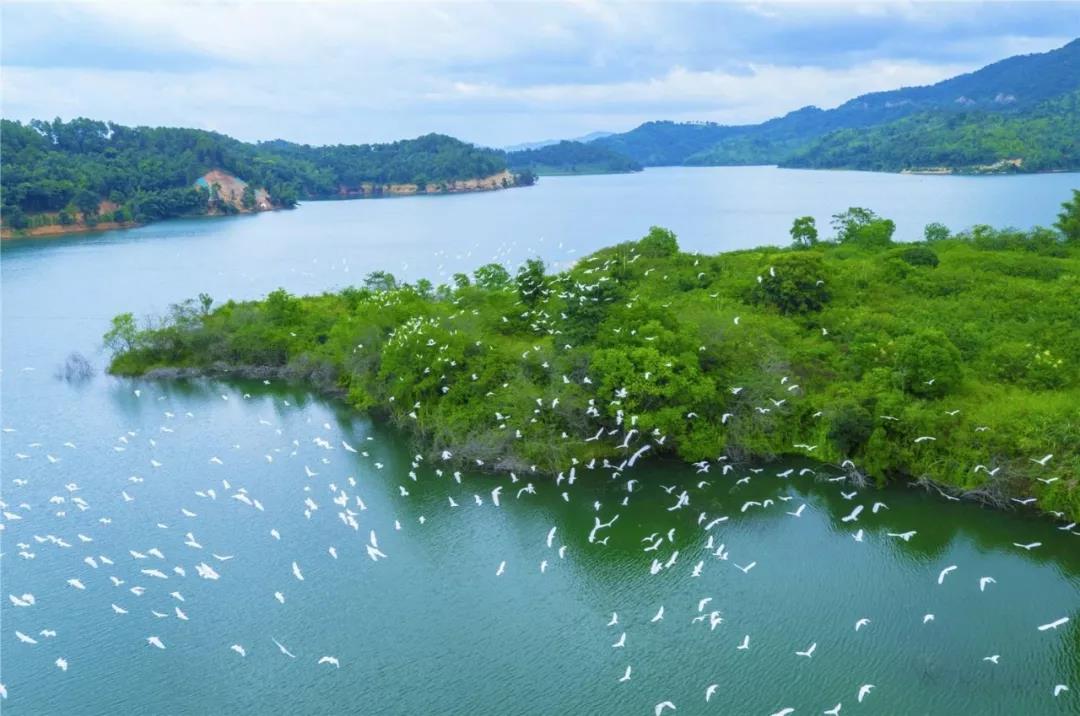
{"type": "Point", "coordinates": [1014, 88]}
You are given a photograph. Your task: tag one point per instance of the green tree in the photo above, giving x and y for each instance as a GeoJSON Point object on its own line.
{"type": "Point", "coordinates": [248, 198]}
{"type": "Point", "coordinates": [492, 277]}
{"type": "Point", "coordinates": [205, 302]}
{"type": "Point", "coordinates": [863, 227]}
{"type": "Point", "coordinates": [380, 281]}
{"type": "Point", "coordinates": [927, 363]}
{"type": "Point", "coordinates": [530, 281]}
{"type": "Point", "coordinates": [65, 218]}
{"type": "Point", "coordinates": [87, 203]}
{"type": "Point", "coordinates": [795, 283]}
{"type": "Point", "coordinates": [659, 243]}
{"type": "Point", "coordinates": [122, 333]}
{"type": "Point", "coordinates": [461, 280]}
{"type": "Point", "coordinates": [804, 233]}
{"type": "Point", "coordinates": [1068, 222]}
{"type": "Point", "coordinates": [935, 231]}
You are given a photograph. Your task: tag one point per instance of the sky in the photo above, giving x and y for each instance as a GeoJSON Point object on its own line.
{"type": "Point", "coordinates": [493, 73]}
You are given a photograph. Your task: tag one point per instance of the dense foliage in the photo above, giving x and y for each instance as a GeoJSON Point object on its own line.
{"type": "Point", "coordinates": [1022, 107]}
{"type": "Point", "coordinates": [849, 348]}
{"type": "Point", "coordinates": [571, 158]}
{"type": "Point", "coordinates": [1045, 138]}
{"type": "Point", "coordinates": [149, 173]}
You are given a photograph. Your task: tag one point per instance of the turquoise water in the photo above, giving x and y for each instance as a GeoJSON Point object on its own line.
{"type": "Point", "coordinates": [432, 628]}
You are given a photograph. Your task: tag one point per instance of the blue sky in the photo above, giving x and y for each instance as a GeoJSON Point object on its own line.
{"type": "Point", "coordinates": [491, 73]}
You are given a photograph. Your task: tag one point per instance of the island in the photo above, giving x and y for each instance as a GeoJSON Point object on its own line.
{"type": "Point", "coordinates": [952, 363]}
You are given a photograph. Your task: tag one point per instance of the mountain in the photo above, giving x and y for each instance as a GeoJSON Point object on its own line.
{"type": "Point", "coordinates": [1020, 88]}
{"type": "Point", "coordinates": [571, 158]}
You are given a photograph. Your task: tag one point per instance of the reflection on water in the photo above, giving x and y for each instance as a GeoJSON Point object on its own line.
{"type": "Point", "coordinates": [534, 638]}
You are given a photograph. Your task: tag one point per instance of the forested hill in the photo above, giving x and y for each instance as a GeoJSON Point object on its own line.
{"type": "Point", "coordinates": [89, 171]}
{"type": "Point", "coordinates": [1018, 89]}
{"type": "Point", "coordinates": [571, 158]}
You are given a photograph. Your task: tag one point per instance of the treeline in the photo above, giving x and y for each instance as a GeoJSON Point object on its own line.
{"type": "Point", "coordinates": [845, 348]}
{"type": "Point", "coordinates": [1045, 138]}
{"type": "Point", "coordinates": [148, 173]}
{"type": "Point", "coordinates": [567, 157]}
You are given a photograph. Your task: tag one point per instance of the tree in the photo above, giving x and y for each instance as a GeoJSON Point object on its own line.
{"type": "Point", "coordinates": [863, 227]}
{"type": "Point", "coordinates": [65, 218]}
{"type": "Point", "coordinates": [122, 333]}
{"type": "Point", "coordinates": [87, 202]}
{"type": "Point", "coordinates": [205, 301]}
{"type": "Point", "coordinates": [15, 217]}
{"type": "Point", "coordinates": [795, 283]}
{"type": "Point", "coordinates": [248, 198]}
{"type": "Point", "coordinates": [461, 280]}
{"type": "Point", "coordinates": [927, 363]}
{"type": "Point", "coordinates": [659, 243]}
{"type": "Point", "coordinates": [936, 232]}
{"type": "Point", "coordinates": [530, 281]}
{"type": "Point", "coordinates": [380, 281]}
{"type": "Point", "coordinates": [804, 232]}
{"type": "Point", "coordinates": [1068, 222]}
{"type": "Point", "coordinates": [492, 277]}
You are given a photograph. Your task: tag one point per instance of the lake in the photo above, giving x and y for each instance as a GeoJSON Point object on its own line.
{"type": "Point", "coordinates": [252, 486]}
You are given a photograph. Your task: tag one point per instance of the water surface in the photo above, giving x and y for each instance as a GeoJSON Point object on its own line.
{"type": "Point", "coordinates": [431, 628]}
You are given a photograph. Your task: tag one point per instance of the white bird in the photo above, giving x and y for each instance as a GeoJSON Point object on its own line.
{"type": "Point", "coordinates": [854, 514]}
{"type": "Point", "coordinates": [1028, 547]}
{"type": "Point", "coordinates": [710, 691]}
{"type": "Point", "coordinates": [155, 641]}
{"type": "Point", "coordinates": [626, 676]}
{"type": "Point", "coordinates": [1059, 689]}
{"type": "Point", "coordinates": [864, 690]}
{"type": "Point", "coordinates": [282, 649]}
{"type": "Point", "coordinates": [798, 511]}
{"type": "Point", "coordinates": [784, 711]}
{"type": "Point", "coordinates": [983, 581]}
{"type": "Point", "coordinates": [992, 659]}
{"type": "Point", "coordinates": [1042, 460]}
{"type": "Point", "coordinates": [906, 536]}
{"type": "Point", "coordinates": [1054, 624]}
{"type": "Point", "coordinates": [945, 572]}
{"type": "Point", "coordinates": [747, 568]}
{"type": "Point", "coordinates": [501, 569]}
{"type": "Point", "coordinates": [24, 638]}
{"type": "Point", "coordinates": [296, 571]}
{"type": "Point", "coordinates": [834, 711]}
{"type": "Point", "coordinates": [927, 618]}
{"type": "Point", "coordinates": [659, 615]}
{"type": "Point", "coordinates": [861, 623]}
{"type": "Point", "coordinates": [809, 651]}
{"type": "Point", "coordinates": [659, 709]}
{"type": "Point", "coordinates": [621, 642]}
{"type": "Point", "coordinates": [239, 649]}
{"type": "Point", "coordinates": [745, 643]}
{"type": "Point", "coordinates": [332, 660]}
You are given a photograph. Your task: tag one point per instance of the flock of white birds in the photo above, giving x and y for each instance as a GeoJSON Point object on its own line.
{"type": "Point", "coordinates": [151, 578]}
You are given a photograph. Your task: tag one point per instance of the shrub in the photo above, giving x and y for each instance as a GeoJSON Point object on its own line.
{"type": "Point", "coordinates": [795, 283]}
{"type": "Point", "coordinates": [927, 363]}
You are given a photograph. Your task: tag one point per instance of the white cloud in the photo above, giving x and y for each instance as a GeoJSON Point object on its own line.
{"type": "Point", "coordinates": [489, 72]}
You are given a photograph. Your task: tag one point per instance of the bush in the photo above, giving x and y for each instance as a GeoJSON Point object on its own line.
{"type": "Point", "coordinates": [919, 256]}
{"type": "Point", "coordinates": [850, 426]}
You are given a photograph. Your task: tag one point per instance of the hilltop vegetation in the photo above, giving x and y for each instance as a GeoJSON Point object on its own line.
{"type": "Point", "coordinates": [844, 349]}
{"type": "Point", "coordinates": [1045, 138]}
{"type": "Point", "coordinates": [61, 170]}
{"type": "Point", "coordinates": [571, 158]}
{"type": "Point", "coordinates": [1022, 107]}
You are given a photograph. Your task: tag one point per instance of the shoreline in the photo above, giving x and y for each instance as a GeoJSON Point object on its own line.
{"type": "Point", "coordinates": [366, 191]}
{"type": "Point", "coordinates": [982, 496]}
